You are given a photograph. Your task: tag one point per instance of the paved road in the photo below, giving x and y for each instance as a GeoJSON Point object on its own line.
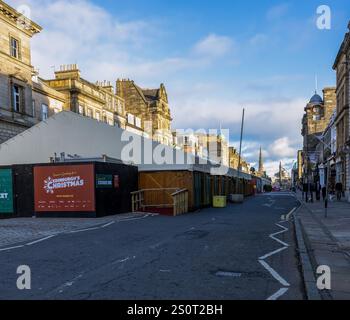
{"type": "Point", "coordinates": [212, 254]}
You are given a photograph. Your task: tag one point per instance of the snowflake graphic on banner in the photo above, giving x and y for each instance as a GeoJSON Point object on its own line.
{"type": "Point", "coordinates": [47, 184]}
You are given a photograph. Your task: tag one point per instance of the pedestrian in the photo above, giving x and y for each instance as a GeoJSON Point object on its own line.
{"type": "Point", "coordinates": [312, 190]}
{"type": "Point", "coordinates": [305, 192]}
{"type": "Point", "coordinates": [318, 191]}
{"type": "Point", "coordinates": [339, 190]}
{"type": "Point", "coordinates": [324, 193]}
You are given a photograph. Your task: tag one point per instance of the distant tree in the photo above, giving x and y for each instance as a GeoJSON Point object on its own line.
{"type": "Point", "coordinates": [252, 170]}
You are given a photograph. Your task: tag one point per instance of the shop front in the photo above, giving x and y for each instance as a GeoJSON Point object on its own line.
{"type": "Point", "coordinates": [6, 193]}
{"type": "Point", "coordinates": [85, 189]}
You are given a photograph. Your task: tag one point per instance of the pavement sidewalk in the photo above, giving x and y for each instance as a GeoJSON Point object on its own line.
{"type": "Point", "coordinates": [327, 241]}
{"type": "Point", "coordinates": [18, 230]}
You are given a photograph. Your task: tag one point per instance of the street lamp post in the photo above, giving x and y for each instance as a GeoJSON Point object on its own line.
{"type": "Point", "coordinates": [325, 146]}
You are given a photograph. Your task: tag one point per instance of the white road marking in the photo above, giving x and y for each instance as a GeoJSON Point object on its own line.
{"type": "Point", "coordinates": [278, 194]}
{"type": "Point", "coordinates": [134, 219]}
{"type": "Point", "coordinates": [262, 259]}
{"type": "Point", "coordinates": [68, 284]}
{"type": "Point", "coordinates": [155, 246]}
{"type": "Point", "coordinates": [228, 274]}
{"type": "Point", "coordinates": [274, 273]}
{"type": "Point", "coordinates": [278, 294]}
{"type": "Point", "coordinates": [280, 241]}
{"type": "Point", "coordinates": [124, 260]}
{"type": "Point", "coordinates": [273, 236]}
{"type": "Point", "coordinates": [108, 224]}
{"type": "Point", "coordinates": [272, 253]}
{"type": "Point", "coordinates": [270, 204]}
{"type": "Point", "coordinates": [84, 230]}
{"type": "Point", "coordinates": [40, 240]}
{"type": "Point", "coordinates": [77, 231]}
{"type": "Point", "coordinates": [290, 214]}
{"type": "Point", "coordinates": [11, 248]}
{"type": "Point", "coordinates": [283, 227]}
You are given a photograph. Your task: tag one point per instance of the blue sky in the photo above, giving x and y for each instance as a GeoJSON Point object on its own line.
{"type": "Point", "coordinates": [213, 56]}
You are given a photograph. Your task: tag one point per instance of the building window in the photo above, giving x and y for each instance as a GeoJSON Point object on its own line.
{"type": "Point", "coordinates": [14, 47]}
{"type": "Point", "coordinates": [120, 107]}
{"type": "Point", "coordinates": [138, 122]}
{"type": "Point", "coordinates": [17, 93]}
{"type": "Point", "coordinates": [89, 113]}
{"type": "Point", "coordinates": [33, 108]}
{"type": "Point", "coordinates": [81, 110]}
{"type": "Point", "coordinates": [131, 119]}
{"type": "Point", "coordinates": [98, 116]}
{"type": "Point", "coordinates": [44, 112]}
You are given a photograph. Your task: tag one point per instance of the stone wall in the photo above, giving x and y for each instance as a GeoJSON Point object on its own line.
{"type": "Point", "coordinates": [8, 130]}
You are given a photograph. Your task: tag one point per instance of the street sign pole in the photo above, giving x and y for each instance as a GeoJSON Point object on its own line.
{"type": "Point", "coordinates": [327, 190]}
{"type": "Point", "coordinates": [240, 152]}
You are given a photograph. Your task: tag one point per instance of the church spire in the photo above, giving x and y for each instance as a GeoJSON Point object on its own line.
{"type": "Point", "coordinates": [280, 172]}
{"type": "Point", "coordinates": [261, 163]}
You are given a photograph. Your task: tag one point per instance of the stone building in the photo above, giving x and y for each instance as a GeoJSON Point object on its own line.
{"type": "Point", "coordinates": [45, 100]}
{"type": "Point", "coordinates": [318, 113]}
{"type": "Point", "coordinates": [300, 165]}
{"type": "Point", "coordinates": [188, 142]}
{"type": "Point", "coordinates": [151, 106]}
{"type": "Point", "coordinates": [234, 161]}
{"type": "Point", "coordinates": [282, 179]}
{"type": "Point", "coordinates": [342, 68]}
{"type": "Point", "coordinates": [214, 147]}
{"type": "Point", "coordinates": [16, 71]}
{"type": "Point", "coordinates": [25, 99]}
{"type": "Point", "coordinates": [97, 101]}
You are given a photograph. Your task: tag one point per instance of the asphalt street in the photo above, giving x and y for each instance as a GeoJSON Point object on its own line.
{"type": "Point", "coordinates": [240, 252]}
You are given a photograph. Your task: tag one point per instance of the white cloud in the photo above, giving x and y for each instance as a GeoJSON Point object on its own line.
{"type": "Point", "coordinates": [84, 33]}
{"type": "Point", "coordinates": [274, 124]}
{"type": "Point", "coordinates": [107, 48]}
{"type": "Point", "coordinates": [272, 154]}
{"type": "Point", "coordinates": [272, 167]}
{"type": "Point", "coordinates": [264, 118]}
{"type": "Point", "coordinates": [282, 148]}
{"type": "Point", "coordinates": [277, 11]}
{"type": "Point", "coordinates": [258, 39]}
{"type": "Point", "coordinates": [214, 46]}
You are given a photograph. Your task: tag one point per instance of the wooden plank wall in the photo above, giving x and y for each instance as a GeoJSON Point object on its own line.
{"type": "Point", "coordinates": [167, 179]}
{"type": "Point", "coordinates": [201, 186]}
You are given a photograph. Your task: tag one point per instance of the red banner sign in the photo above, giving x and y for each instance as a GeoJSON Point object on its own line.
{"type": "Point", "coordinates": [64, 188]}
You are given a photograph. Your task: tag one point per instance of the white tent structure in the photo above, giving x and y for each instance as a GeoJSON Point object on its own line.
{"type": "Point", "coordinates": [82, 138]}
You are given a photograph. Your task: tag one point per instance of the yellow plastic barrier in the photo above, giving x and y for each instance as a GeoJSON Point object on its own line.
{"type": "Point", "coordinates": [219, 201]}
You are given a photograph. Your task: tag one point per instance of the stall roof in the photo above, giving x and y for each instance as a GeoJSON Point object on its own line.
{"type": "Point", "coordinates": [82, 138]}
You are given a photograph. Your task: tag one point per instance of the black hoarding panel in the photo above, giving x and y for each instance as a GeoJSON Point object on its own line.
{"type": "Point", "coordinates": [114, 186]}
{"type": "Point", "coordinates": [24, 190]}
